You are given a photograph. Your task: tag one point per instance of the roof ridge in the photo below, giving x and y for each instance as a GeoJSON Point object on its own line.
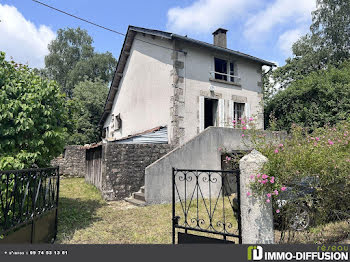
{"type": "Point", "coordinates": [225, 49]}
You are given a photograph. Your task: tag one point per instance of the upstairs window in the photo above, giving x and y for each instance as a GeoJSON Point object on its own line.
{"type": "Point", "coordinates": [220, 69]}
{"type": "Point", "coordinates": [117, 122]}
{"type": "Point", "coordinates": [224, 70]}
{"type": "Point", "coordinates": [112, 121]}
{"type": "Point", "coordinates": [232, 72]}
{"type": "Point", "coordinates": [105, 132]}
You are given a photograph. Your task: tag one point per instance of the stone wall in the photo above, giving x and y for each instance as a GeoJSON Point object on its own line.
{"type": "Point", "coordinates": [71, 162]}
{"type": "Point", "coordinates": [177, 100]}
{"type": "Point", "coordinates": [123, 167]}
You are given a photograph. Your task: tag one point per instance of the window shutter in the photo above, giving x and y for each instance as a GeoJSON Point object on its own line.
{"type": "Point", "coordinates": [230, 112]}
{"type": "Point", "coordinates": [201, 113]}
{"type": "Point", "coordinates": [247, 110]}
{"type": "Point", "coordinates": [221, 112]}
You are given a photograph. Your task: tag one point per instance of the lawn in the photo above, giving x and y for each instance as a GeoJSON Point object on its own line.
{"type": "Point", "coordinates": [84, 218]}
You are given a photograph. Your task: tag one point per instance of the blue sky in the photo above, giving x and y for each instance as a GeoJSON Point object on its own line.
{"type": "Point", "coordinates": [263, 28]}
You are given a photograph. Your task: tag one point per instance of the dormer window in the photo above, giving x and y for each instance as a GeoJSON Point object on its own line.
{"type": "Point", "coordinates": [224, 70]}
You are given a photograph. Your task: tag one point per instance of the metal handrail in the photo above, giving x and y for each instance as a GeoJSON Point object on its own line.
{"type": "Point", "coordinates": [228, 75]}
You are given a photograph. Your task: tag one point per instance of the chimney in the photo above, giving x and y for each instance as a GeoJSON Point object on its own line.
{"type": "Point", "coordinates": [220, 37]}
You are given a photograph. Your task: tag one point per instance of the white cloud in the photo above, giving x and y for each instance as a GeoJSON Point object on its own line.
{"type": "Point", "coordinates": [280, 12]}
{"type": "Point", "coordinates": [204, 16]}
{"type": "Point", "coordinates": [21, 39]}
{"type": "Point", "coordinates": [288, 38]}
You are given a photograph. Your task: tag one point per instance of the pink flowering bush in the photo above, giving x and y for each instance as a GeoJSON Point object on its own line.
{"type": "Point", "coordinates": [321, 157]}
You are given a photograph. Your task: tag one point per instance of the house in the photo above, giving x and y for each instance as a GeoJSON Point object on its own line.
{"type": "Point", "coordinates": [170, 100]}
{"type": "Point", "coordinates": [181, 85]}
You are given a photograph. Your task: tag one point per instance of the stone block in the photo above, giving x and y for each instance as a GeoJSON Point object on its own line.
{"type": "Point", "coordinates": [256, 214]}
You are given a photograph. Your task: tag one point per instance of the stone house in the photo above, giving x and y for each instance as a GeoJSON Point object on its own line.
{"type": "Point", "coordinates": [180, 86]}
{"type": "Point", "coordinates": [166, 92]}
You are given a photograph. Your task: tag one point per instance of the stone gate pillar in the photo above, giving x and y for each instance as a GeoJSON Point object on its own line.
{"type": "Point", "coordinates": [256, 215]}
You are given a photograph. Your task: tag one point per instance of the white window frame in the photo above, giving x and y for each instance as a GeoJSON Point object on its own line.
{"type": "Point", "coordinates": [228, 74]}
{"type": "Point", "coordinates": [236, 118]}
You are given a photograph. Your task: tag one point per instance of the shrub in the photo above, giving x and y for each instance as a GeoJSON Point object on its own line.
{"type": "Point", "coordinates": [317, 160]}
{"type": "Point", "coordinates": [32, 116]}
{"type": "Point", "coordinates": [319, 98]}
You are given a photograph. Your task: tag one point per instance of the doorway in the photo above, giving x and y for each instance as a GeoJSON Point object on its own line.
{"type": "Point", "coordinates": [210, 112]}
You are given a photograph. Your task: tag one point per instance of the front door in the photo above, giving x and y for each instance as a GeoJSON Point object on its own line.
{"type": "Point", "coordinates": [210, 112]}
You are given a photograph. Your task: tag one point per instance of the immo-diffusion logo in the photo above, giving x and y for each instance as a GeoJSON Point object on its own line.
{"type": "Point", "coordinates": [333, 253]}
{"type": "Point", "coordinates": [255, 253]}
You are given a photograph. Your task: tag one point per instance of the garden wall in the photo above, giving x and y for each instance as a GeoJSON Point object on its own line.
{"type": "Point", "coordinates": [71, 162]}
{"type": "Point", "coordinates": [201, 152]}
{"type": "Point", "coordinates": [123, 168]}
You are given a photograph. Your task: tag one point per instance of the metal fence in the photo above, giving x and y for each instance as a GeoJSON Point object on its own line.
{"type": "Point", "coordinates": [28, 205]}
{"type": "Point", "coordinates": [207, 204]}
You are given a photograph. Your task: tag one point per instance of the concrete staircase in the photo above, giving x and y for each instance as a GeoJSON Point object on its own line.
{"type": "Point", "coordinates": [137, 198]}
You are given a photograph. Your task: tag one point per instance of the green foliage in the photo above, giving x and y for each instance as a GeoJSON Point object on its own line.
{"type": "Point", "coordinates": [331, 22]}
{"type": "Point", "coordinates": [321, 157]}
{"type": "Point", "coordinates": [89, 99]}
{"type": "Point", "coordinates": [70, 46]}
{"type": "Point", "coordinates": [328, 43]}
{"type": "Point", "coordinates": [32, 113]}
{"type": "Point", "coordinates": [308, 57]}
{"type": "Point", "coordinates": [321, 97]}
{"type": "Point", "coordinates": [72, 59]}
{"type": "Point", "coordinates": [99, 66]}
{"type": "Point", "coordinates": [83, 76]}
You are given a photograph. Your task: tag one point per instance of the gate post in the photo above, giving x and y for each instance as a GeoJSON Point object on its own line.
{"type": "Point", "coordinates": [256, 215]}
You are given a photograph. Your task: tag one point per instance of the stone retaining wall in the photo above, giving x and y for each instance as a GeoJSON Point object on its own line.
{"type": "Point", "coordinates": [71, 162]}
{"type": "Point", "coordinates": [123, 167]}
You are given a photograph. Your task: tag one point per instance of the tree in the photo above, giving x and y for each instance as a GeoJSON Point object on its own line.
{"type": "Point", "coordinates": [74, 64]}
{"type": "Point", "coordinates": [69, 47]}
{"type": "Point", "coordinates": [72, 59]}
{"type": "Point", "coordinates": [322, 97]}
{"type": "Point", "coordinates": [328, 43]}
{"type": "Point", "coordinates": [32, 116]}
{"type": "Point", "coordinates": [99, 66]}
{"type": "Point", "coordinates": [89, 99]}
{"type": "Point", "coordinates": [331, 22]}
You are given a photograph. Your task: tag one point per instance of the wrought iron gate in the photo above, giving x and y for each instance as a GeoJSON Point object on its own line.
{"type": "Point", "coordinates": [203, 209]}
{"type": "Point", "coordinates": [28, 205]}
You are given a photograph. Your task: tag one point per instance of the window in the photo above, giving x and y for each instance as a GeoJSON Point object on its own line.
{"type": "Point", "coordinates": [105, 132]}
{"type": "Point", "coordinates": [224, 69]}
{"type": "Point", "coordinates": [112, 122]}
{"type": "Point", "coordinates": [117, 122]}
{"type": "Point", "coordinates": [232, 72]}
{"type": "Point", "coordinates": [221, 68]}
{"type": "Point", "coordinates": [238, 111]}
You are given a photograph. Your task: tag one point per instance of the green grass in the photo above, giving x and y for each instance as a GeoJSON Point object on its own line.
{"type": "Point", "coordinates": [85, 218]}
